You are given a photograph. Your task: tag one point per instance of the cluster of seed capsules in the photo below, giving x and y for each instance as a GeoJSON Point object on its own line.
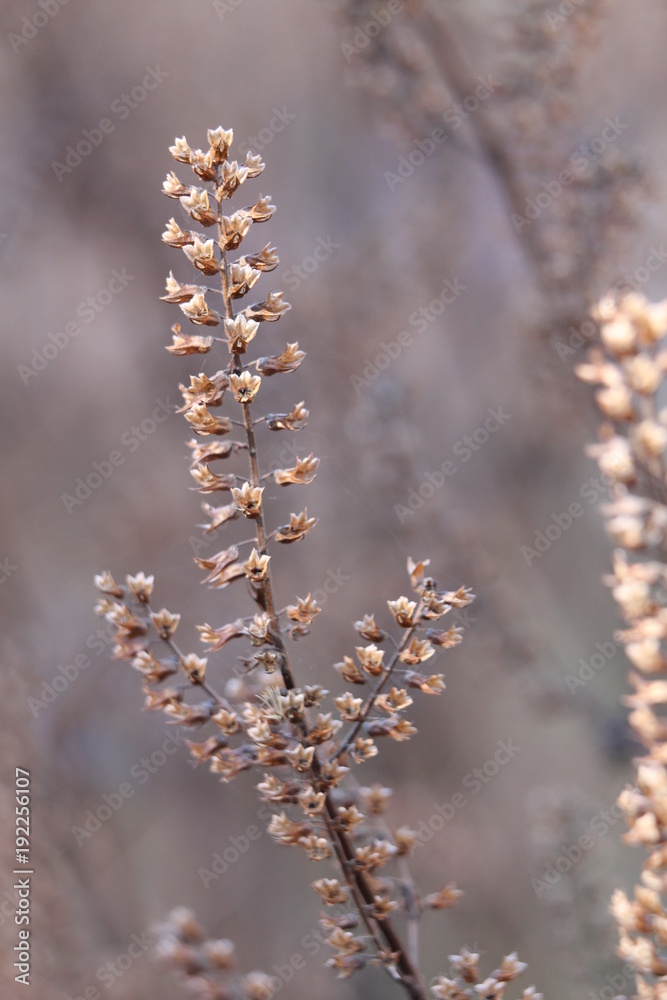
{"type": "Point", "coordinates": [264, 720]}
{"type": "Point", "coordinates": [628, 371]}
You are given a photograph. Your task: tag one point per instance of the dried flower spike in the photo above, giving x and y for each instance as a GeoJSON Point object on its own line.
{"type": "Point", "coordinates": [305, 757]}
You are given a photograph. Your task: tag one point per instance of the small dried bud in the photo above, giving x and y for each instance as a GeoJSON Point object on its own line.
{"type": "Point", "coordinates": [303, 472]}
{"type": "Point", "coordinates": [616, 402]}
{"type": "Point", "coordinates": [317, 848]}
{"type": "Point", "coordinates": [234, 229]}
{"type": "Point", "coordinates": [292, 421]}
{"type": "Point", "coordinates": [219, 140]}
{"type": "Point", "coordinates": [297, 529]}
{"type": "Point", "coordinates": [248, 499]}
{"type": "Point", "coordinates": [311, 802]}
{"type": "Point", "coordinates": [141, 586]}
{"type": "Point", "coordinates": [349, 671]}
{"type": "Point", "coordinates": [330, 891]}
{"type": "Point", "coordinates": [447, 897]}
{"type": "Point", "coordinates": [256, 566]}
{"type": "Point", "coordinates": [239, 332]}
{"type": "Point", "coordinates": [643, 375]}
{"type": "Point", "coordinates": [266, 260]}
{"type": "Point", "coordinates": [301, 758]}
{"type": "Point", "coordinates": [305, 610]}
{"type": "Point", "coordinates": [174, 236]}
{"type": "Point", "coordinates": [348, 706]}
{"type": "Point", "coordinates": [288, 361]}
{"type": "Point", "coordinates": [173, 188]}
{"type": "Point", "coordinates": [403, 611]}
{"type": "Point", "coordinates": [184, 344]}
{"type": "Point", "coordinates": [245, 386]}
{"type": "Point", "coordinates": [619, 336]}
{"type": "Point", "coordinates": [370, 659]}
{"type": "Point", "coordinates": [107, 585]}
{"type": "Point", "coordinates": [368, 630]}
{"type": "Point", "coordinates": [198, 207]}
{"type": "Point", "coordinates": [181, 150]}
{"type": "Point", "coordinates": [195, 667]}
{"type": "Point", "coordinates": [202, 255]}
{"type": "Point", "coordinates": [418, 651]}
{"type": "Point", "coordinates": [203, 422]}
{"type": "Point", "coordinates": [197, 311]}
{"type": "Point", "coordinates": [165, 622]}
{"type": "Point", "coordinates": [270, 310]}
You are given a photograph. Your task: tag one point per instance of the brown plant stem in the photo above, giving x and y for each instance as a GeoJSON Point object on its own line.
{"type": "Point", "coordinates": [382, 932]}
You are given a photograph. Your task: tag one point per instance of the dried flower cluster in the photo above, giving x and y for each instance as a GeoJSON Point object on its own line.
{"type": "Point", "coordinates": [304, 748]}
{"type": "Point", "coordinates": [629, 373]}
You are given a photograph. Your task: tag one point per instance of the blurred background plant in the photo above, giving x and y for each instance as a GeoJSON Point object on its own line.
{"type": "Point", "coordinates": [423, 308]}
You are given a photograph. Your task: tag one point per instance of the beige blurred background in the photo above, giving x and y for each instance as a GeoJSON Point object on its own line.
{"type": "Point", "coordinates": [64, 234]}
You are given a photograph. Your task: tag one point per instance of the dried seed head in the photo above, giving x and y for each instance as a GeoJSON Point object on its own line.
{"type": "Point", "coordinates": [288, 361]}
{"type": "Point", "coordinates": [196, 203]}
{"type": "Point", "coordinates": [197, 311]}
{"type": "Point", "coordinates": [174, 236]}
{"type": "Point", "coordinates": [201, 253]}
{"type": "Point", "coordinates": [403, 611]}
{"type": "Point", "coordinates": [303, 472]}
{"type": "Point", "coordinates": [183, 344]}
{"type": "Point", "coordinates": [181, 150]}
{"type": "Point", "coordinates": [107, 585]}
{"type": "Point", "coordinates": [165, 622]}
{"type": "Point", "coordinates": [245, 386]}
{"type": "Point", "coordinates": [248, 499]}
{"type": "Point", "coordinates": [173, 188]}
{"type": "Point", "coordinates": [256, 566]}
{"type": "Point", "coordinates": [220, 140]}
{"type": "Point", "coordinates": [195, 667]}
{"type": "Point", "coordinates": [239, 332]}
{"type": "Point", "coordinates": [141, 586]}
{"type": "Point", "coordinates": [330, 891]}
{"type": "Point", "coordinates": [367, 629]}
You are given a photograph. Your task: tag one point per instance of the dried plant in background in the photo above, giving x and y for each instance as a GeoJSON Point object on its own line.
{"type": "Point", "coordinates": [630, 375]}
{"type": "Point", "coordinates": [568, 206]}
{"type": "Point", "coordinates": [305, 758]}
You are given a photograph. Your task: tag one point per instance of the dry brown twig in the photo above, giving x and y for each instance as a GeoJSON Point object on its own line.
{"type": "Point", "coordinates": [265, 720]}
